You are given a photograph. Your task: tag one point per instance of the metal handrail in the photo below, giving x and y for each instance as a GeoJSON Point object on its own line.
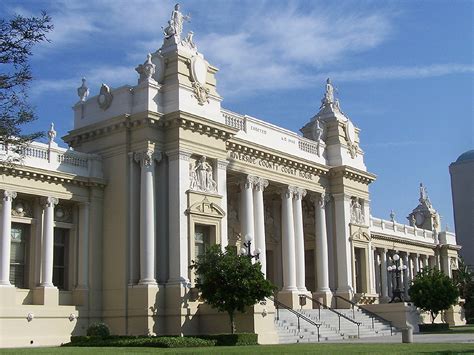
{"type": "Point", "coordinates": [371, 314]}
{"type": "Point", "coordinates": [278, 304]}
{"type": "Point", "coordinates": [336, 312]}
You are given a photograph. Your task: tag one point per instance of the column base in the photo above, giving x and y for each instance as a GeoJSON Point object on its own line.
{"type": "Point", "coordinates": [325, 297]}
{"type": "Point", "coordinates": [292, 299]}
{"type": "Point", "coordinates": [340, 303]}
{"type": "Point", "coordinates": [46, 296]}
{"type": "Point", "coordinates": [143, 309]}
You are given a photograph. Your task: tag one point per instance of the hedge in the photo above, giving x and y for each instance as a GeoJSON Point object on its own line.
{"type": "Point", "coordinates": [232, 339]}
{"type": "Point", "coordinates": [131, 341]}
{"type": "Point", "coordinates": [436, 327]}
{"type": "Point", "coordinates": [165, 342]}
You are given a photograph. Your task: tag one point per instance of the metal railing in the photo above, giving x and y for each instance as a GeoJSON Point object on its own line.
{"type": "Point", "coordinates": [279, 305]}
{"type": "Point", "coordinates": [335, 312]}
{"type": "Point", "coordinates": [372, 315]}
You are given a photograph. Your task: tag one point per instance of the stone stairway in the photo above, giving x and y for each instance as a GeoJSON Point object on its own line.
{"type": "Point", "coordinates": [287, 326]}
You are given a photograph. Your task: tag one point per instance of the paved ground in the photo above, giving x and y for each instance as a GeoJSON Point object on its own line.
{"type": "Point", "coordinates": [417, 338]}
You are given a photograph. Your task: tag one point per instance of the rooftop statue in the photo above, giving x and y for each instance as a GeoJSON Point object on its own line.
{"type": "Point", "coordinates": [424, 196]}
{"type": "Point", "coordinates": [175, 24]}
{"type": "Point", "coordinates": [329, 94]}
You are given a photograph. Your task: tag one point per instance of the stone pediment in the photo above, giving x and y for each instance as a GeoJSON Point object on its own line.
{"type": "Point", "coordinates": [360, 235]}
{"type": "Point", "coordinates": [206, 208]}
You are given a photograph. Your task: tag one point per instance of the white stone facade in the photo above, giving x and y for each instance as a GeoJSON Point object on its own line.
{"type": "Point", "coordinates": [159, 172]}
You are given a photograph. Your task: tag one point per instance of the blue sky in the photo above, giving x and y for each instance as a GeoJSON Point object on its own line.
{"type": "Point", "coordinates": [404, 72]}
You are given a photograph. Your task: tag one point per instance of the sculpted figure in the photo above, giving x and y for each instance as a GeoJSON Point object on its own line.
{"type": "Point", "coordinates": [329, 95]}
{"type": "Point", "coordinates": [318, 131]}
{"type": "Point", "coordinates": [177, 19]}
{"type": "Point", "coordinates": [201, 177]}
{"type": "Point", "coordinates": [357, 215]}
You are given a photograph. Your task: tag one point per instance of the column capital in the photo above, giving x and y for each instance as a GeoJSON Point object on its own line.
{"type": "Point", "coordinates": [322, 199]}
{"type": "Point", "coordinates": [260, 184]}
{"type": "Point", "coordinates": [247, 182]}
{"type": "Point", "coordinates": [49, 201]}
{"type": "Point", "coordinates": [147, 157]}
{"type": "Point", "coordinates": [222, 164]}
{"type": "Point", "coordinates": [8, 195]}
{"type": "Point", "coordinates": [298, 193]}
{"type": "Point", "coordinates": [286, 192]}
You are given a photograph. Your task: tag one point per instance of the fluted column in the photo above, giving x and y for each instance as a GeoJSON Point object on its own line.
{"type": "Point", "coordinates": [246, 195]}
{"type": "Point", "coordinates": [406, 273]}
{"type": "Point", "coordinates": [383, 271]}
{"type": "Point", "coordinates": [147, 215]}
{"type": "Point", "coordinates": [5, 243]}
{"type": "Point", "coordinates": [322, 262]}
{"type": "Point", "coordinates": [298, 195]}
{"type": "Point", "coordinates": [260, 185]}
{"type": "Point", "coordinates": [288, 241]}
{"type": "Point", "coordinates": [83, 251]}
{"type": "Point", "coordinates": [48, 241]}
{"type": "Point", "coordinates": [417, 264]}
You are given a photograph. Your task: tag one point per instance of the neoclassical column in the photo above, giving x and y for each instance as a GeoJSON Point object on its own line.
{"type": "Point", "coordinates": [298, 195]}
{"type": "Point", "coordinates": [48, 241]}
{"type": "Point", "coordinates": [384, 273]}
{"type": "Point", "coordinates": [416, 269]}
{"type": "Point", "coordinates": [378, 276]}
{"type": "Point", "coordinates": [406, 273]}
{"type": "Point", "coordinates": [5, 243]}
{"type": "Point", "coordinates": [246, 196]}
{"type": "Point", "coordinates": [288, 240]}
{"type": "Point", "coordinates": [425, 261]}
{"type": "Point", "coordinates": [147, 215]}
{"type": "Point", "coordinates": [221, 177]}
{"type": "Point", "coordinates": [343, 246]}
{"type": "Point", "coordinates": [83, 250]}
{"type": "Point", "coordinates": [259, 226]}
{"type": "Point", "coordinates": [322, 262]}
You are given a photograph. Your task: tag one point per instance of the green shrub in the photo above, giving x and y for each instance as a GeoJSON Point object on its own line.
{"type": "Point", "coordinates": [140, 341]}
{"type": "Point", "coordinates": [434, 327]}
{"type": "Point", "coordinates": [236, 339]}
{"type": "Point", "coordinates": [99, 330]}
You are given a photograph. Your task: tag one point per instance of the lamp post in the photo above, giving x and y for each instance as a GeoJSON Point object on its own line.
{"type": "Point", "coordinates": [398, 270]}
{"type": "Point", "coordinates": [246, 248]}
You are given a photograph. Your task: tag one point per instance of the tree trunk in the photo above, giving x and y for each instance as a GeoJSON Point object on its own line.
{"type": "Point", "coordinates": [232, 322]}
{"type": "Point", "coordinates": [433, 316]}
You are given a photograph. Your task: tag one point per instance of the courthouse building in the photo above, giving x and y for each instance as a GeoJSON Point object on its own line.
{"type": "Point", "coordinates": [155, 173]}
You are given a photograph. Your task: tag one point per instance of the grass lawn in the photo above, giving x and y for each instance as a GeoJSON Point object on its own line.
{"type": "Point", "coordinates": [339, 349]}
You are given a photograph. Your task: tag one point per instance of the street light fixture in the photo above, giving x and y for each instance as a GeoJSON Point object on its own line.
{"type": "Point", "coordinates": [246, 248]}
{"type": "Point", "coordinates": [397, 269]}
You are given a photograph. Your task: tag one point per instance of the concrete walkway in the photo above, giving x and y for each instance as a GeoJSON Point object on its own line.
{"type": "Point", "coordinates": [417, 338]}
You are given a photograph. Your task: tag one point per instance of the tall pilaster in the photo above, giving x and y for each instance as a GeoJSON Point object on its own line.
{"type": "Point", "coordinates": [147, 215]}
{"type": "Point", "coordinates": [83, 250]}
{"type": "Point", "coordinates": [259, 226]}
{"type": "Point", "coordinates": [343, 247]}
{"type": "Point", "coordinates": [298, 195]}
{"type": "Point", "coordinates": [178, 223]}
{"type": "Point", "coordinates": [288, 240]}
{"type": "Point", "coordinates": [406, 274]}
{"type": "Point", "coordinates": [5, 245]}
{"type": "Point", "coordinates": [246, 209]}
{"type": "Point", "coordinates": [48, 241]}
{"type": "Point", "coordinates": [222, 190]}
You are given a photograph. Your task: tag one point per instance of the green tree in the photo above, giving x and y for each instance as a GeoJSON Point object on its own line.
{"type": "Point", "coordinates": [433, 291]}
{"type": "Point", "coordinates": [230, 282]}
{"type": "Point", "coordinates": [17, 38]}
{"type": "Point", "coordinates": [464, 279]}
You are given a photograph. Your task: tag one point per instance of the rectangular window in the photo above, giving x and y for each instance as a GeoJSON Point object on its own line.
{"type": "Point", "coordinates": [60, 258]}
{"type": "Point", "coordinates": [18, 254]}
{"type": "Point", "coordinates": [202, 239]}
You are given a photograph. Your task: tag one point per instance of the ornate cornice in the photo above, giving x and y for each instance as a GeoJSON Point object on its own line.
{"type": "Point", "coordinates": [352, 174]}
{"type": "Point", "coordinates": [375, 235]}
{"type": "Point", "coordinates": [50, 177]}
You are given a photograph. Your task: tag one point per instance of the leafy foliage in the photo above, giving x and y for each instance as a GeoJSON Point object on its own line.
{"type": "Point", "coordinates": [464, 279]}
{"type": "Point", "coordinates": [233, 339]}
{"type": "Point", "coordinates": [17, 37]}
{"type": "Point", "coordinates": [98, 330]}
{"type": "Point", "coordinates": [230, 282]}
{"type": "Point", "coordinates": [433, 291]}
